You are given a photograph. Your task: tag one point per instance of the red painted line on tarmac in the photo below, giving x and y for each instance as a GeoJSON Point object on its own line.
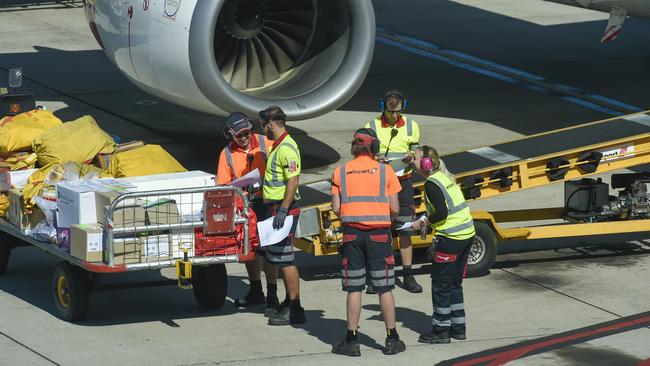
{"type": "Point", "coordinates": [503, 355]}
{"type": "Point", "coordinates": [645, 363]}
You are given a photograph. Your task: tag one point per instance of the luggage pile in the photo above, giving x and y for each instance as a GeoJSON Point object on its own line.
{"type": "Point", "coordinates": [57, 180]}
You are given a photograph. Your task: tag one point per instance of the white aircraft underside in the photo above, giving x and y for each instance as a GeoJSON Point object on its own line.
{"type": "Point", "coordinates": [217, 56]}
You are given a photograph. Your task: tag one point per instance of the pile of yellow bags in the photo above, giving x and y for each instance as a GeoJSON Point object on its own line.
{"type": "Point", "coordinates": [145, 160]}
{"type": "Point", "coordinates": [18, 132]}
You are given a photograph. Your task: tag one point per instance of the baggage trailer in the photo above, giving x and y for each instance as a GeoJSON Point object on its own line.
{"type": "Point", "coordinates": [144, 231]}
{"type": "Point", "coordinates": [563, 155]}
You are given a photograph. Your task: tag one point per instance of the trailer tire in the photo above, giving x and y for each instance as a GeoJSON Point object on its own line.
{"type": "Point", "coordinates": [71, 290]}
{"type": "Point", "coordinates": [210, 285]}
{"type": "Point", "coordinates": [483, 252]}
{"type": "Point", "coordinates": [5, 253]}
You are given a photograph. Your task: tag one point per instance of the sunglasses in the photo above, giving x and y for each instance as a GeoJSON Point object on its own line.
{"type": "Point", "coordinates": [243, 135]}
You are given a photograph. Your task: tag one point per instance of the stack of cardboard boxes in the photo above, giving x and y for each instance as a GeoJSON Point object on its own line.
{"type": "Point", "coordinates": [82, 210]}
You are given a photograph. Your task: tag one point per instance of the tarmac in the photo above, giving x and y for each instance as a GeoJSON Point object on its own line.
{"type": "Point", "coordinates": [584, 305]}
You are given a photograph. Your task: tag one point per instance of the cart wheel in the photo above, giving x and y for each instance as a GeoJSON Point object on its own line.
{"type": "Point", "coordinates": [483, 251]}
{"type": "Point", "coordinates": [71, 290]}
{"type": "Point", "coordinates": [210, 285]}
{"type": "Point", "coordinates": [5, 252]}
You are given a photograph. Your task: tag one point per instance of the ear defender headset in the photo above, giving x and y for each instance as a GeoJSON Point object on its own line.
{"type": "Point", "coordinates": [366, 136]}
{"type": "Point", "coordinates": [425, 163]}
{"type": "Point", "coordinates": [382, 102]}
{"type": "Point", "coordinates": [272, 114]}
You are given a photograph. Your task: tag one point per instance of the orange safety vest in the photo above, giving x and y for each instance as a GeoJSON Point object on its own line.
{"type": "Point", "coordinates": [236, 160]}
{"type": "Point", "coordinates": [362, 188]}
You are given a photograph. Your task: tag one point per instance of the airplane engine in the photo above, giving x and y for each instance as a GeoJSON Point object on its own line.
{"type": "Point", "coordinates": [217, 56]}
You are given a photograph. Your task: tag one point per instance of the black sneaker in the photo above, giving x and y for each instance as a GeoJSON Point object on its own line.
{"type": "Point", "coordinates": [411, 285]}
{"type": "Point", "coordinates": [346, 348]}
{"type": "Point", "coordinates": [251, 299]}
{"type": "Point", "coordinates": [286, 315]}
{"type": "Point", "coordinates": [393, 346]}
{"type": "Point", "coordinates": [432, 337]}
{"type": "Point", "coordinates": [272, 305]}
{"type": "Point", "coordinates": [461, 336]}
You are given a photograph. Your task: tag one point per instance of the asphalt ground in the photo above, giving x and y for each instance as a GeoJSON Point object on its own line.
{"type": "Point", "coordinates": [529, 297]}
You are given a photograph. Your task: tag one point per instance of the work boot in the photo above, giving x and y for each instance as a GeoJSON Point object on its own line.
{"type": "Point", "coordinates": [272, 305]}
{"type": "Point", "coordinates": [252, 298]}
{"type": "Point", "coordinates": [432, 337]}
{"type": "Point", "coordinates": [411, 285]}
{"type": "Point", "coordinates": [393, 346]}
{"type": "Point", "coordinates": [288, 314]}
{"type": "Point", "coordinates": [346, 348]}
{"type": "Point", "coordinates": [461, 336]}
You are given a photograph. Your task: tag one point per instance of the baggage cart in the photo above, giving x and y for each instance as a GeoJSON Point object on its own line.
{"type": "Point", "coordinates": [144, 231]}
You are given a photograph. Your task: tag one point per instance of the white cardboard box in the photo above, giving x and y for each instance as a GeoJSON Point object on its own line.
{"type": "Point", "coordinates": [155, 247]}
{"type": "Point", "coordinates": [75, 204]}
{"type": "Point", "coordinates": [14, 179]}
{"type": "Point", "coordinates": [181, 238]}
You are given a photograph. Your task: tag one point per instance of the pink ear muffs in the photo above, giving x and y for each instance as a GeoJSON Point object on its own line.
{"type": "Point", "coordinates": [426, 164]}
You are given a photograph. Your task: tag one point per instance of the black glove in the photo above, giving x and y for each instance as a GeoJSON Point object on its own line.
{"type": "Point", "coordinates": [278, 220]}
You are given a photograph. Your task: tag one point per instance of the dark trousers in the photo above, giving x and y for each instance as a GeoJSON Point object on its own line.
{"type": "Point", "coordinates": [447, 270]}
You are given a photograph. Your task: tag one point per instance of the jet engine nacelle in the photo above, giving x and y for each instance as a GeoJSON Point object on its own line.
{"type": "Point", "coordinates": [218, 56]}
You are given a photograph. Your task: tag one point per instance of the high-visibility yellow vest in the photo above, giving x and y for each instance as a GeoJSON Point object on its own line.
{"type": "Point", "coordinates": [459, 224]}
{"type": "Point", "coordinates": [279, 170]}
{"type": "Point", "coordinates": [406, 139]}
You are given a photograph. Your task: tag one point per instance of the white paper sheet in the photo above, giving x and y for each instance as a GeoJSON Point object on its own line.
{"type": "Point", "coordinates": [270, 236]}
{"type": "Point", "coordinates": [249, 179]}
{"type": "Point", "coordinates": [409, 225]}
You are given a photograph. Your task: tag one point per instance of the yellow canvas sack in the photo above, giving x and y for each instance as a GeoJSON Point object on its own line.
{"type": "Point", "coordinates": [77, 141]}
{"type": "Point", "coordinates": [145, 160]}
{"type": "Point", "coordinates": [18, 132]}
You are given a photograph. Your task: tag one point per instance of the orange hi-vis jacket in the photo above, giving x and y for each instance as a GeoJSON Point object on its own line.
{"type": "Point", "coordinates": [364, 186]}
{"type": "Point", "coordinates": [234, 161]}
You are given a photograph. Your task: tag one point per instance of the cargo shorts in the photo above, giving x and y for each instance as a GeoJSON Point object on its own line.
{"type": "Point", "coordinates": [280, 254]}
{"type": "Point", "coordinates": [366, 252]}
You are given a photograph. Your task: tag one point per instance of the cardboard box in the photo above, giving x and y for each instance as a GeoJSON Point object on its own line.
{"type": "Point", "coordinates": [75, 204]}
{"type": "Point", "coordinates": [102, 161]}
{"type": "Point", "coordinates": [182, 238]}
{"type": "Point", "coordinates": [162, 212]}
{"type": "Point", "coordinates": [155, 248]}
{"type": "Point", "coordinates": [16, 214]}
{"type": "Point", "coordinates": [127, 214]}
{"type": "Point", "coordinates": [190, 205]}
{"type": "Point", "coordinates": [86, 242]}
{"type": "Point", "coordinates": [125, 251]}
{"type": "Point", "coordinates": [14, 179]}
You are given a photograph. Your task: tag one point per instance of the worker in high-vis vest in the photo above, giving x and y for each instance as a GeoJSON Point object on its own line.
{"type": "Point", "coordinates": [449, 216]}
{"type": "Point", "coordinates": [246, 152]}
{"type": "Point", "coordinates": [399, 136]}
{"type": "Point", "coordinates": [364, 197]}
{"type": "Point", "coordinates": [280, 194]}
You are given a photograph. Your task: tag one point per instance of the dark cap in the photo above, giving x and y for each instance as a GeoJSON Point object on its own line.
{"type": "Point", "coordinates": [238, 122]}
{"type": "Point", "coordinates": [394, 92]}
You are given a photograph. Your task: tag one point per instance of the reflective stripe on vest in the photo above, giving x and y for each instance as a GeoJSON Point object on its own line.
{"type": "Point", "coordinates": [409, 126]}
{"type": "Point", "coordinates": [458, 224]}
{"type": "Point", "coordinates": [347, 200]}
{"type": "Point", "coordinates": [400, 144]}
{"type": "Point", "coordinates": [261, 142]}
{"type": "Point", "coordinates": [274, 186]}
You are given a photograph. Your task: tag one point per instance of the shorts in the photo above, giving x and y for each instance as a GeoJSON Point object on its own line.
{"type": "Point", "coordinates": [281, 253]}
{"type": "Point", "coordinates": [367, 250]}
{"type": "Point", "coordinates": [405, 198]}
